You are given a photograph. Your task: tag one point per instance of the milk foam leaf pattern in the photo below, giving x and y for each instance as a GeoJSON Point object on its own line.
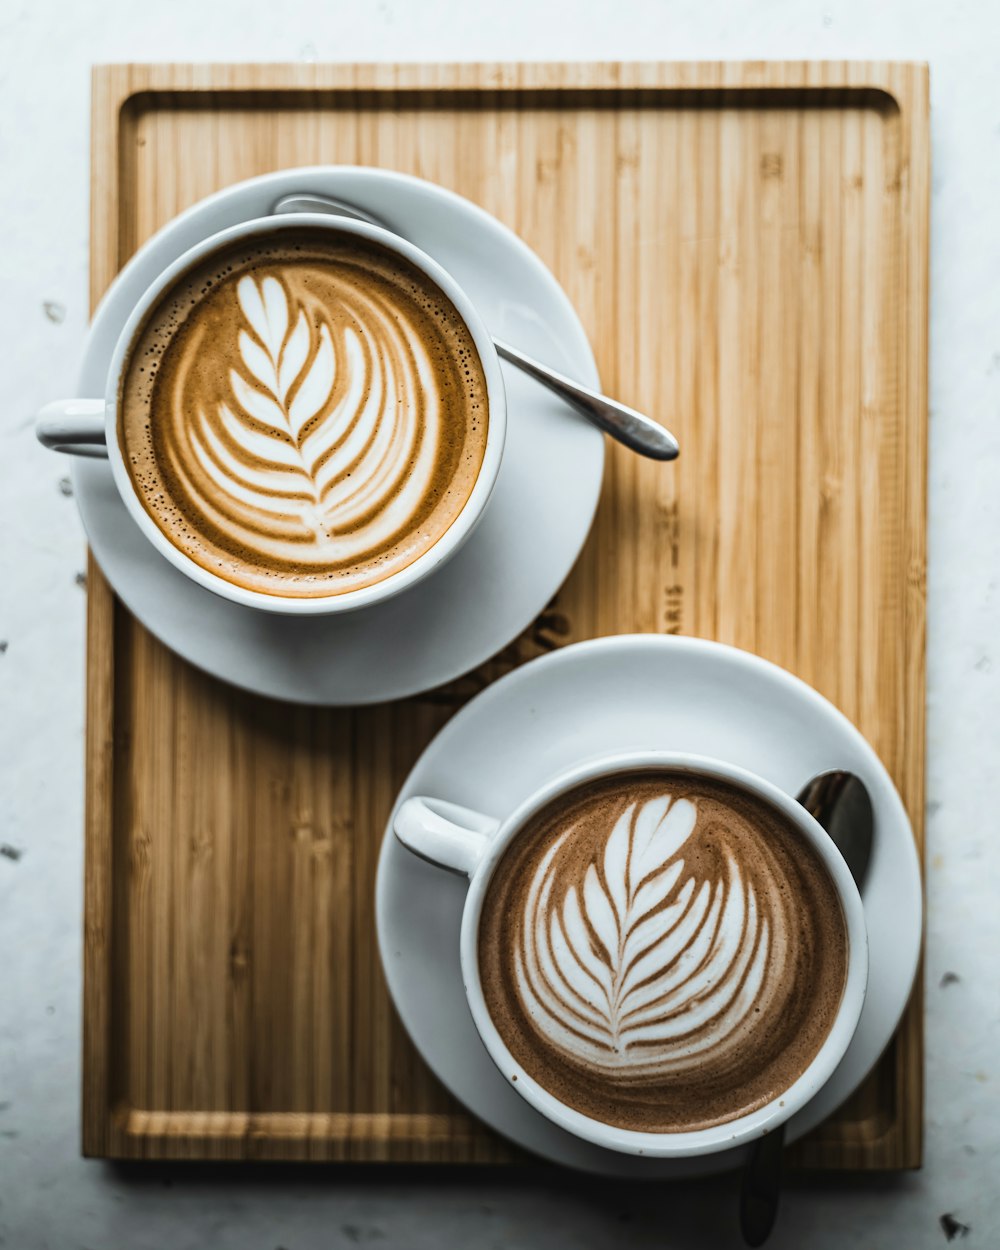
{"type": "Point", "coordinates": [645, 961]}
{"type": "Point", "coordinates": [283, 383]}
{"type": "Point", "coordinates": [319, 417]}
{"type": "Point", "coordinates": [265, 307]}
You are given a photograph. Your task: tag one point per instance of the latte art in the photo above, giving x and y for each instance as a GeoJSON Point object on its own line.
{"type": "Point", "coordinates": [662, 952]}
{"type": "Point", "coordinates": [643, 965]}
{"type": "Point", "coordinates": [306, 419]}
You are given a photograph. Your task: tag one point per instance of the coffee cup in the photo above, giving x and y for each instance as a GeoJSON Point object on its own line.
{"type": "Point", "coordinates": [664, 954]}
{"type": "Point", "coordinates": [283, 481]}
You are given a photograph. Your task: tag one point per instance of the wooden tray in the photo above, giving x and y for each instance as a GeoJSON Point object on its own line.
{"type": "Point", "coordinates": [747, 246]}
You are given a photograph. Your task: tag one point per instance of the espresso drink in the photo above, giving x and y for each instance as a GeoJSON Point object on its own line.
{"type": "Point", "coordinates": [662, 952]}
{"type": "Point", "coordinates": [304, 413]}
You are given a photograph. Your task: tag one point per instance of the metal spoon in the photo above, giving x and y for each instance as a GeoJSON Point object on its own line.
{"type": "Point", "coordinates": [636, 431]}
{"type": "Point", "coordinates": [840, 802]}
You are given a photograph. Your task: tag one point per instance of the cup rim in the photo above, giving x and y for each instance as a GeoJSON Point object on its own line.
{"type": "Point", "coordinates": [731, 1133]}
{"type": "Point", "coordinates": [463, 524]}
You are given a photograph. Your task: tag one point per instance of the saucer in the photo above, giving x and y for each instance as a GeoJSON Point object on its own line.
{"type": "Point", "coordinates": [494, 587]}
{"type": "Point", "coordinates": [640, 691]}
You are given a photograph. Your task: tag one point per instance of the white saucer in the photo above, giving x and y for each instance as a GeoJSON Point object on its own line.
{"type": "Point", "coordinates": [616, 694]}
{"type": "Point", "coordinates": [542, 506]}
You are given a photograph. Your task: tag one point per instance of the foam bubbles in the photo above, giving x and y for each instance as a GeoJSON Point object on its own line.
{"type": "Point", "coordinates": [662, 952]}
{"type": "Point", "coordinates": [315, 435]}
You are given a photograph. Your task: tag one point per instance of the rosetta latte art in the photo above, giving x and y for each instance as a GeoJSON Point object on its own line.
{"type": "Point", "coordinates": [644, 965]}
{"type": "Point", "coordinates": [662, 951]}
{"type": "Point", "coordinates": [344, 466]}
{"type": "Point", "coordinates": [315, 421]}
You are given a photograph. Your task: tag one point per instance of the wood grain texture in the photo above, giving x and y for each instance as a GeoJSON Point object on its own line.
{"type": "Point", "coordinates": [747, 247]}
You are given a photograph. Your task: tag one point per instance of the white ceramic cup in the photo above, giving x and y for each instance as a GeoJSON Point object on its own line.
{"type": "Point", "coordinates": [473, 844]}
{"type": "Point", "coordinates": [90, 426]}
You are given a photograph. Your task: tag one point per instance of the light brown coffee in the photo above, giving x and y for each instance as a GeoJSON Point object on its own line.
{"type": "Point", "coordinates": [304, 413]}
{"type": "Point", "coordinates": [662, 952]}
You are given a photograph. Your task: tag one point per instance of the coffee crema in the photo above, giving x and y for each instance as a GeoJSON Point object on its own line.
{"type": "Point", "coordinates": [662, 952]}
{"type": "Point", "coordinates": [304, 414]}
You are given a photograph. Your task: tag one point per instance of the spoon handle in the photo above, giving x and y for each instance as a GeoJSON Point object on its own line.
{"type": "Point", "coordinates": [636, 431]}
{"type": "Point", "coordinates": [761, 1187]}
{"type": "Point", "coordinates": [639, 433]}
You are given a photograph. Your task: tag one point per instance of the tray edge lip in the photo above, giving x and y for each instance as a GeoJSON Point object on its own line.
{"type": "Point", "coordinates": [897, 79]}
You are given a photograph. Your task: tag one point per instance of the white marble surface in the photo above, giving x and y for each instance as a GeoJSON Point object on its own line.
{"type": "Point", "coordinates": [49, 1197]}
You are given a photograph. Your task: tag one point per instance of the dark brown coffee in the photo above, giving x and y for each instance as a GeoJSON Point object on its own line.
{"type": "Point", "coordinates": [662, 952]}
{"type": "Point", "coordinates": [304, 413]}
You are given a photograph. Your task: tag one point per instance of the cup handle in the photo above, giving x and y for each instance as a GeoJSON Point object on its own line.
{"type": "Point", "coordinates": [445, 834]}
{"type": "Point", "coordinates": [75, 426]}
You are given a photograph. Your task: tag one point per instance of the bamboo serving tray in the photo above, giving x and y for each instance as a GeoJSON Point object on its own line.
{"type": "Point", "coordinates": [747, 246]}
